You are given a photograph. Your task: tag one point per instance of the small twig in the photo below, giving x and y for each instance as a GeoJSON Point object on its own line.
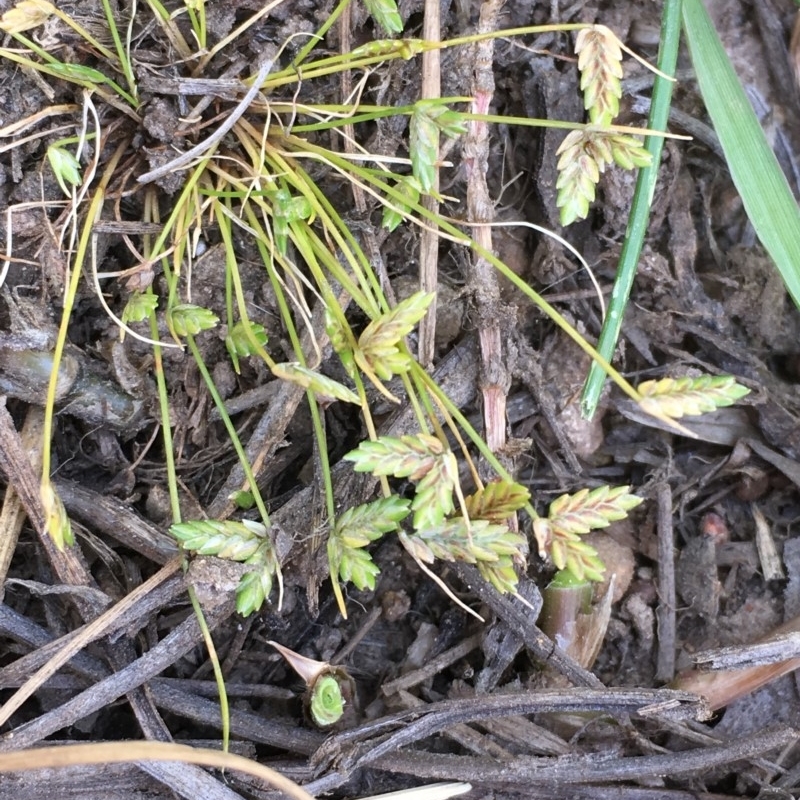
{"type": "Point", "coordinates": [482, 278]}
{"type": "Point", "coordinates": [722, 687]}
{"type": "Point", "coordinates": [741, 656]}
{"type": "Point", "coordinates": [771, 566]}
{"type": "Point", "coordinates": [12, 516]}
{"type": "Point", "coordinates": [225, 88]}
{"type": "Point", "coordinates": [535, 776]}
{"type": "Point", "coordinates": [210, 141]}
{"type": "Point", "coordinates": [367, 624]}
{"type": "Point", "coordinates": [665, 613]}
{"type": "Point", "coordinates": [98, 627]}
{"type": "Point", "coordinates": [376, 739]}
{"type": "Point", "coordinates": [433, 667]}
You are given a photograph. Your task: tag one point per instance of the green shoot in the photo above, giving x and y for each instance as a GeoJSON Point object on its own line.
{"type": "Point", "coordinates": [197, 14]}
{"type": "Point", "coordinates": [65, 166]}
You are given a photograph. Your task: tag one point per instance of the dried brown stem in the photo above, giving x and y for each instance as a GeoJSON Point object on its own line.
{"type": "Point", "coordinates": [482, 279]}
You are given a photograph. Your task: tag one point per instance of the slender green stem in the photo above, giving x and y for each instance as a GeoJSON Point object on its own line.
{"type": "Point", "coordinates": [324, 461]}
{"type": "Point", "coordinates": [317, 37]}
{"type": "Point", "coordinates": [332, 222]}
{"type": "Point", "coordinates": [467, 116]}
{"type": "Point", "coordinates": [324, 466]}
{"type": "Point", "coordinates": [380, 187]}
{"type": "Point", "coordinates": [84, 34]}
{"type": "Point", "coordinates": [473, 435]}
{"type": "Point", "coordinates": [198, 18]}
{"type": "Point", "coordinates": [129, 98]}
{"type": "Point", "coordinates": [93, 214]}
{"type": "Point", "coordinates": [33, 47]}
{"type": "Point", "coordinates": [166, 428]}
{"type": "Point", "coordinates": [122, 53]}
{"type": "Point", "coordinates": [177, 212]}
{"type": "Point", "coordinates": [95, 209]}
{"type": "Point", "coordinates": [229, 427]}
{"type": "Point", "coordinates": [366, 113]}
{"type": "Point", "coordinates": [370, 423]}
{"type": "Point", "coordinates": [640, 208]}
{"type": "Point", "coordinates": [73, 73]}
{"type": "Point", "coordinates": [222, 215]}
{"type": "Point", "coordinates": [219, 678]}
{"type": "Point", "coordinates": [280, 297]}
{"type": "Point", "coordinates": [170, 29]}
{"type": "Point", "coordinates": [379, 51]}
{"type": "Point", "coordinates": [509, 32]}
{"type": "Point", "coordinates": [414, 388]}
{"type": "Point", "coordinates": [175, 505]}
{"type": "Point", "coordinates": [263, 244]}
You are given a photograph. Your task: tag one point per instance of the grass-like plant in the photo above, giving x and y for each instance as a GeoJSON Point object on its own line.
{"type": "Point", "coordinates": [252, 177]}
{"type": "Point", "coordinates": [765, 193]}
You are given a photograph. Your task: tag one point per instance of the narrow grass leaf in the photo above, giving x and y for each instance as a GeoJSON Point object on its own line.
{"type": "Point", "coordinates": [640, 207]}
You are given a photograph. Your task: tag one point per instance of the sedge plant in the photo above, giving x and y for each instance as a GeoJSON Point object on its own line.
{"type": "Point", "coordinates": [256, 176]}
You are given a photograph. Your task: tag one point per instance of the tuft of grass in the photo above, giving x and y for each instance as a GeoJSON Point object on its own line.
{"type": "Point", "coordinates": [250, 177]}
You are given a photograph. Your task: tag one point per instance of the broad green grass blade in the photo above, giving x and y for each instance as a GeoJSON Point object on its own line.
{"type": "Point", "coordinates": [763, 187]}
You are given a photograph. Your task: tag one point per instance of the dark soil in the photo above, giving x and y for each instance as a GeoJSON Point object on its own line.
{"type": "Point", "coordinates": [708, 561]}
